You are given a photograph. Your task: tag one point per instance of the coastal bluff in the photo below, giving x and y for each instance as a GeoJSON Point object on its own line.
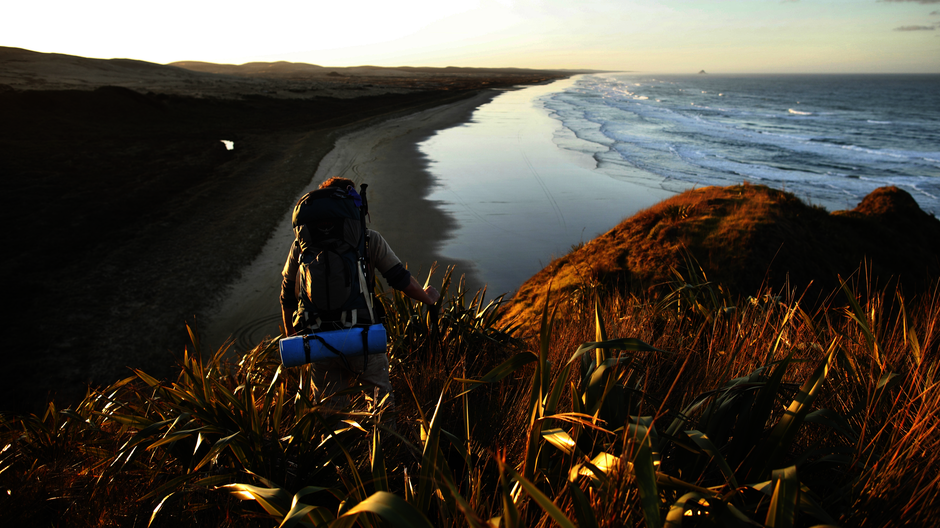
{"type": "Point", "coordinates": [746, 237]}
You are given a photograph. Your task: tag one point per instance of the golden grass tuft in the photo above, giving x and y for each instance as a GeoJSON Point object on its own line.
{"type": "Point", "coordinates": [745, 238]}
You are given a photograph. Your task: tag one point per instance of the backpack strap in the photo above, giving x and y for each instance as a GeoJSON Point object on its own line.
{"type": "Point", "coordinates": [329, 347]}
{"type": "Point", "coordinates": [364, 287]}
{"type": "Point", "coordinates": [366, 291]}
{"type": "Point", "coordinates": [365, 348]}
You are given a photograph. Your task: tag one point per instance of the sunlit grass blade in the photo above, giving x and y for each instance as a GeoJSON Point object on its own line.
{"type": "Point", "coordinates": [427, 483]}
{"type": "Point", "coordinates": [539, 391]}
{"type": "Point", "coordinates": [219, 446]}
{"type": "Point", "coordinates": [600, 333]}
{"type": "Point", "coordinates": [172, 484]}
{"type": "Point", "coordinates": [910, 334]}
{"type": "Point", "coordinates": [510, 517]}
{"type": "Point", "coordinates": [588, 469]}
{"type": "Point", "coordinates": [275, 501]}
{"type": "Point", "coordinates": [560, 439]}
{"type": "Point", "coordinates": [678, 510]}
{"type": "Point", "coordinates": [700, 509]}
{"type": "Point", "coordinates": [786, 428]}
{"type": "Point", "coordinates": [388, 506]}
{"type": "Point", "coordinates": [785, 499]}
{"type": "Point", "coordinates": [302, 514]}
{"type": "Point", "coordinates": [858, 315]}
{"type": "Point", "coordinates": [156, 510]}
{"type": "Point", "coordinates": [379, 475]}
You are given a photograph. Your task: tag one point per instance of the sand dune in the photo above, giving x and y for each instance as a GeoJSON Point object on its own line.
{"type": "Point", "coordinates": [29, 70]}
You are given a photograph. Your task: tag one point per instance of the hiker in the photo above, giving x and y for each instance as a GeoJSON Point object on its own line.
{"type": "Point", "coordinates": [341, 372]}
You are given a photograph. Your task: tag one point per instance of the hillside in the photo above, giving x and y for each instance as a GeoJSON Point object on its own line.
{"type": "Point", "coordinates": [747, 236]}
{"type": "Point", "coordinates": [128, 214]}
{"type": "Point", "coordinates": [22, 69]}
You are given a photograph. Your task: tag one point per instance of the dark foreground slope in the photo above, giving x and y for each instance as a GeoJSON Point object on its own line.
{"type": "Point", "coordinates": [745, 237]}
{"type": "Point", "coordinates": [125, 216]}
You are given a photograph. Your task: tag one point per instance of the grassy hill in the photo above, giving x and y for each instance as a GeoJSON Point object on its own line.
{"type": "Point", "coordinates": [677, 406]}
{"type": "Point", "coordinates": [745, 237]}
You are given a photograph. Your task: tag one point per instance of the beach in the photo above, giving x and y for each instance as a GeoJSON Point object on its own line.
{"type": "Point", "coordinates": [131, 218]}
{"type": "Point", "coordinates": [386, 157]}
{"type": "Point", "coordinates": [523, 190]}
{"type": "Point", "coordinates": [480, 184]}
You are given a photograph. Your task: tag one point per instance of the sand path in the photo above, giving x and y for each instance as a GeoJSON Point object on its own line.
{"type": "Point", "coordinates": [387, 158]}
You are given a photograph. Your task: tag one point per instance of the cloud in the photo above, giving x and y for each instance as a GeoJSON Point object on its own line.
{"type": "Point", "coordinates": [914, 28]}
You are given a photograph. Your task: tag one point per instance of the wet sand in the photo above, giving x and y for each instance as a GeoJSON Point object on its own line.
{"type": "Point", "coordinates": [524, 191]}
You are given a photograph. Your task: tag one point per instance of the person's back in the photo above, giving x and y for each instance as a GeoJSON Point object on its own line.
{"type": "Point", "coordinates": [331, 284]}
{"type": "Point", "coordinates": [313, 299]}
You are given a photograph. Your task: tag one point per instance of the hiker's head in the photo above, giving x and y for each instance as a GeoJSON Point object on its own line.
{"type": "Point", "coordinates": [338, 182]}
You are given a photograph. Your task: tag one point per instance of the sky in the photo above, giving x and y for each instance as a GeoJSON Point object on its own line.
{"type": "Point", "coordinates": [664, 36]}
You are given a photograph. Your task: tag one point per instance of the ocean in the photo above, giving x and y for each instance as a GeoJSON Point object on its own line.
{"type": "Point", "coordinates": [541, 169]}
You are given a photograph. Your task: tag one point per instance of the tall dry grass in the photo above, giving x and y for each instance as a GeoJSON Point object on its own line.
{"type": "Point", "coordinates": [687, 409]}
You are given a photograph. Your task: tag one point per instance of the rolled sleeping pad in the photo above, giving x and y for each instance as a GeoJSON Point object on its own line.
{"type": "Point", "coordinates": [297, 350]}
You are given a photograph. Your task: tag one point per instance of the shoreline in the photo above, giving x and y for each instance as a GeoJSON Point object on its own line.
{"type": "Point", "coordinates": [384, 155]}
{"type": "Point", "coordinates": [121, 170]}
{"type": "Point", "coordinates": [524, 190]}
{"type": "Point", "coordinates": [200, 214]}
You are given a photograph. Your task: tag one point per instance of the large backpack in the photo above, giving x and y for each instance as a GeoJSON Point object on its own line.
{"type": "Point", "coordinates": [332, 288]}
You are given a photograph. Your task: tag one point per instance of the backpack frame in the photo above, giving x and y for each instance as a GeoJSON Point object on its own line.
{"type": "Point", "coordinates": [332, 287]}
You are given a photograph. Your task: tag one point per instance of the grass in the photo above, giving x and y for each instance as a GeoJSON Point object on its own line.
{"type": "Point", "coordinates": [746, 237]}
{"type": "Point", "coordinates": [684, 409]}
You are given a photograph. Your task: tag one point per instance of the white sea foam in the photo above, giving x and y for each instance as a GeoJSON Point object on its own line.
{"type": "Point", "coordinates": [623, 137]}
{"type": "Point", "coordinates": [673, 132]}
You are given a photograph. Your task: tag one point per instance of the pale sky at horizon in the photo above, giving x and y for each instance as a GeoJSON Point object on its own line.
{"type": "Point", "coordinates": [669, 36]}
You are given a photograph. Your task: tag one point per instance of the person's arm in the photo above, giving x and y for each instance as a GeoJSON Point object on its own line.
{"type": "Point", "coordinates": [288, 305]}
{"type": "Point", "coordinates": [288, 287]}
{"type": "Point", "coordinates": [427, 295]}
{"type": "Point", "coordinates": [396, 275]}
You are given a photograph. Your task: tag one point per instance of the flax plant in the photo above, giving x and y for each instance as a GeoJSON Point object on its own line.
{"type": "Point", "coordinates": [690, 409]}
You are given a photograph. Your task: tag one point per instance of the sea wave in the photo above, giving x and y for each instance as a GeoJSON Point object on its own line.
{"type": "Point", "coordinates": [681, 133]}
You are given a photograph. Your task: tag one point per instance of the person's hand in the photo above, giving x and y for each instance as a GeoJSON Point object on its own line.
{"type": "Point", "coordinates": [433, 294]}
